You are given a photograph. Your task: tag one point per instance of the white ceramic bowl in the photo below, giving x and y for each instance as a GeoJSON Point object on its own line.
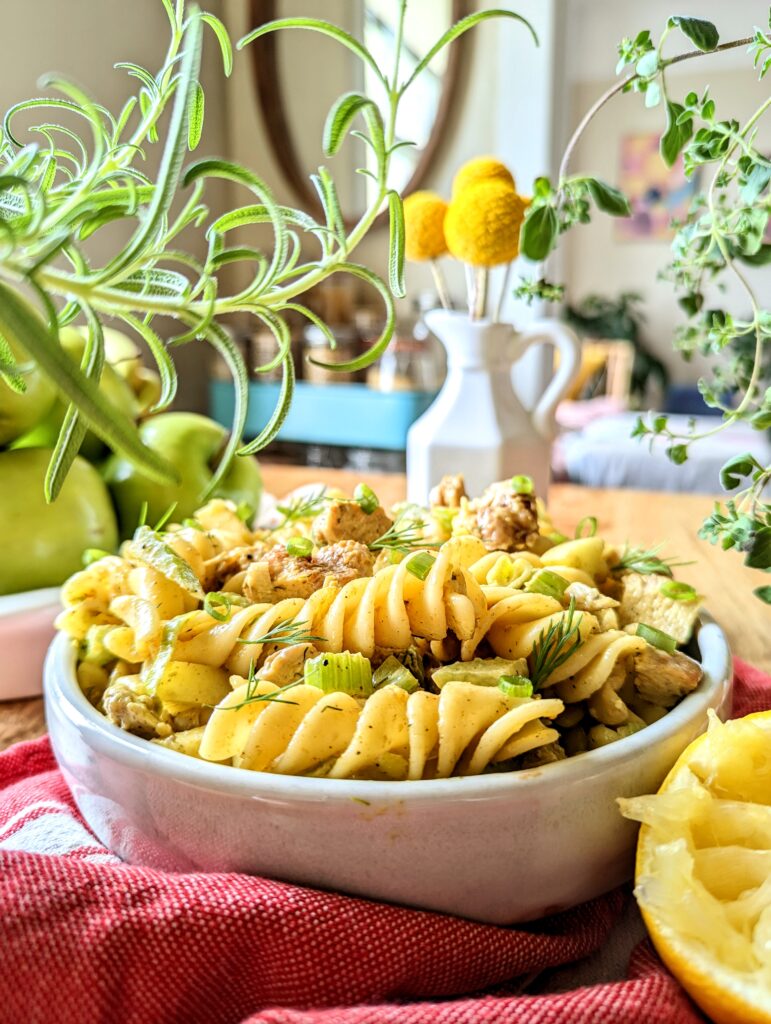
{"type": "Point", "coordinates": [499, 848]}
{"type": "Point", "coordinates": [26, 631]}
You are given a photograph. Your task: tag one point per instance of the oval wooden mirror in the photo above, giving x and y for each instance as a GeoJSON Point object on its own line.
{"type": "Point", "coordinates": [299, 74]}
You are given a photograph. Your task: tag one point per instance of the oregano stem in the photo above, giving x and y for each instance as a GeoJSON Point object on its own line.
{"type": "Point", "coordinates": [621, 86]}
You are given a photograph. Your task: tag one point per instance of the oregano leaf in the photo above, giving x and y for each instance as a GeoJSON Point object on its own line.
{"type": "Point", "coordinates": [702, 34]}
{"type": "Point", "coordinates": [539, 233]}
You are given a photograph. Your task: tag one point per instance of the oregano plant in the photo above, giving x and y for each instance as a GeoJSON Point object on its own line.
{"type": "Point", "coordinates": [60, 184]}
{"type": "Point", "coordinates": [722, 235]}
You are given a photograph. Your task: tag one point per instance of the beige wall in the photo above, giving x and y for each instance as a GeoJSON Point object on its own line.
{"type": "Point", "coordinates": [595, 260]}
{"type": "Point", "coordinates": [83, 39]}
{"type": "Point", "coordinates": [598, 261]}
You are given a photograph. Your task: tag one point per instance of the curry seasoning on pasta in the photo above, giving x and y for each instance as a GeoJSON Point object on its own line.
{"type": "Point", "coordinates": [346, 641]}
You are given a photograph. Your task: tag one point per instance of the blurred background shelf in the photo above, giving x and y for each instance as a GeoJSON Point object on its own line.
{"type": "Point", "coordinates": [346, 415]}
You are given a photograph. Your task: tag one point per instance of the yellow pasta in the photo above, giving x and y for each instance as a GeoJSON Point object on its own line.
{"type": "Point", "coordinates": [494, 644]}
{"type": "Point", "coordinates": [392, 733]}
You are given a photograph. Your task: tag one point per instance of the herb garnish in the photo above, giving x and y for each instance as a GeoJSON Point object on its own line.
{"type": "Point", "coordinates": [555, 645]}
{"type": "Point", "coordinates": [252, 697]}
{"type": "Point", "coordinates": [304, 507]}
{"type": "Point", "coordinates": [645, 561]}
{"type": "Point", "coordinates": [404, 536]}
{"type": "Point", "coordinates": [286, 634]}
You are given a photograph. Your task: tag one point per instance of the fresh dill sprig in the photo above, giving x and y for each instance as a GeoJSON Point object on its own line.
{"type": "Point", "coordinates": [404, 536]}
{"type": "Point", "coordinates": [304, 507]}
{"type": "Point", "coordinates": [252, 697]}
{"type": "Point", "coordinates": [645, 561]}
{"type": "Point", "coordinates": [555, 645]}
{"type": "Point", "coordinates": [286, 634]}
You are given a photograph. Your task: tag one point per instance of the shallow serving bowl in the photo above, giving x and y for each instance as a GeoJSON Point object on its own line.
{"type": "Point", "coordinates": [499, 848]}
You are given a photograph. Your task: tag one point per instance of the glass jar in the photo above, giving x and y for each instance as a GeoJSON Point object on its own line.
{"type": "Point", "coordinates": [316, 346]}
{"type": "Point", "coordinates": [412, 362]}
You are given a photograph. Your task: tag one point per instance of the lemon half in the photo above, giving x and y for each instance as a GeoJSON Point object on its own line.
{"type": "Point", "coordinates": [703, 875]}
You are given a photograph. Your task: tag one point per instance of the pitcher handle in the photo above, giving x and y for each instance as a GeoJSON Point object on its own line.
{"type": "Point", "coordinates": [569, 347]}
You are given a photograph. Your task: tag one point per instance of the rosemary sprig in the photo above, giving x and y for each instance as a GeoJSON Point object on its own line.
{"type": "Point", "coordinates": [404, 536]}
{"type": "Point", "coordinates": [286, 634]}
{"type": "Point", "coordinates": [305, 507]}
{"type": "Point", "coordinates": [555, 645]}
{"type": "Point", "coordinates": [645, 561]}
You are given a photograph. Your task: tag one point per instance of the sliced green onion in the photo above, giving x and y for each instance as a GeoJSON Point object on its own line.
{"type": "Point", "coordinates": [656, 638]}
{"type": "Point", "coordinates": [218, 603]}
{"type": "Point", "coordinates": [299, 547]}
{"type": "Point", "coordinates": [556, 537]}
{"type": "Point", "coordinates": [588, 524]}
{"type": "Point", "coordinates": [340, 673]}
{"type": "Point", "coordinates": [420, 565]}
{"type": "Point", "coordinates": [392, 672]}
{"type": "Point", "coordinates": [91, 555]}
{"type": "Point", "coordinates": [679, 591]}
{"type": "Point", "coordinates": [515, 686]}
{"type": "Point", "coordinates": [366, 498]}
{"type": "Point", "coordinates": [193, 524]}
{"type": "Point", "coordinates": [547, 582]}
{"type": "Point", "coordinates": [394, 555]}
{"type": "Point", "coordinates": [245, 512]}
{"type": "Point", "coordinates": [522, 484]}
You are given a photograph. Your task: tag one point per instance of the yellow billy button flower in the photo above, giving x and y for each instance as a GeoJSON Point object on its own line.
{"type": "Point", "coordinates": [482, 168]}
{"type": "Point", "coordinates": [482, 224]}
{"type": "Point", "coordinates": [424, 214]}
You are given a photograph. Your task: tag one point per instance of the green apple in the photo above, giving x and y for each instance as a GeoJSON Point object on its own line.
{"type": "Point", "coordinates": [112, 385]}
{"type": "Point", "coordinates": [40, 544]}
{"type": "Point", "coordinates": [20, 412]}
{"type": "Point", "coordinates": [193, 444]}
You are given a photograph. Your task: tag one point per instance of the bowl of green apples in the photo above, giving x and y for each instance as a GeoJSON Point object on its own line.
{"type": "Point", "coordinates": [101, 500]}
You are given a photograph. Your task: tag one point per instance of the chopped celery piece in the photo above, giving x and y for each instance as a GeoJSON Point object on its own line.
{"type": "Point", "coordinates": [393, 672]}
{"type": "Point", "coordinates": [340, 673]}
{"type": "Point", "coordinates": [502, 572]}
{"type": "Point", "coordinates": [299, 547]}
{"type": "Point", "coordinates": [657, 638]}
{"type": "Point", "coordinates": [630, 728]}
{"type": "Point", "coordinates": [445, 516]}
{"type": "Point", "coordinates": [420, 565]}
{"type": "Point", "coordinates": [366, 498]}
{"type": "Point", "coordinates": [548, 583]}
{"type": "Point", "coordinates": [92, 649]}
{"type": "Point", "coordinates": [515, 686]}
{"type": "Point", "coordinates": [482, 671]}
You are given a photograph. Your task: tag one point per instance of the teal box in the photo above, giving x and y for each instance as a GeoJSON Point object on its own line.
{"type": "Point", "coordinates": [349, 415]}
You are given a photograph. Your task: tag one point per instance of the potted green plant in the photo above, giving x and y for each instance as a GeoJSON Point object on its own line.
{"type": "Point", "coordinates": [723, 234]}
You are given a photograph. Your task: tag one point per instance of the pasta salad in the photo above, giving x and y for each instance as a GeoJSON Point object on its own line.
{"type": "Point", "coordinates": [345, 640]}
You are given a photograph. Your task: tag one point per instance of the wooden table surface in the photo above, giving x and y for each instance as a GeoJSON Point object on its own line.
{"type": "Point", "coordinates": [642, 517]}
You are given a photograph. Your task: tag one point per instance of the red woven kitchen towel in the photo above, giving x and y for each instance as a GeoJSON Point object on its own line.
{"type": "Point", "coordinates": [87, 939]}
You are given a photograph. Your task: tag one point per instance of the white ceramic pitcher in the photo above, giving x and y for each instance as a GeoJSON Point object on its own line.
{"type": "Point", "coordinates": [477, 425]}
